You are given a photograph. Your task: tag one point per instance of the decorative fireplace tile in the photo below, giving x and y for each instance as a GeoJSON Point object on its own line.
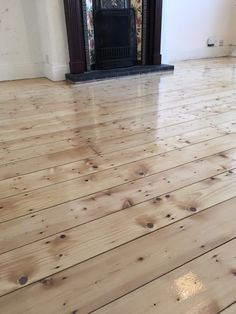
{"type": "Point", "coordinates": [90, 29]}
{"type": "Point", "coordinates": [137, 4]}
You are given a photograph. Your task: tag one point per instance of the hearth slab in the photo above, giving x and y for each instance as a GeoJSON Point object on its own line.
{"type": "Point", "coordinates": [118, 72]}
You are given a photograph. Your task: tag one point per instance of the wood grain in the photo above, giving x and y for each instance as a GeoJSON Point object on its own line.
{"type": "Point", "coordinates": [119, 196]}
{"type": "Point", "coordinates": [122, 195]}
{"type": "Point", "coordinates": [230, 310]}
{"type": "Point", "coordinates": [50, 221]}
{"type": "Point", "coordinates": [75, 170]}
{"type": "Point", "coordinates": [194, 288]}
{"type": "Point", "coordinates": [134, 262]}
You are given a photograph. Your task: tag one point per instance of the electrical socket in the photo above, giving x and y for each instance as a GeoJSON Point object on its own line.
{"type": "Point", "coordinates": [211, 42]}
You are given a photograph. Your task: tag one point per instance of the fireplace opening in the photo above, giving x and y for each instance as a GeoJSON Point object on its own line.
{"type": "Point", "coordinates": [115, 34]}
{"type": "Point", "coordinates": [113, 38]}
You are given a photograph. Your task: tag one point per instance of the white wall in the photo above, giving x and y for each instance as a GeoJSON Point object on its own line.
{"type": "Point", "coordinates": [33, 34]}
{"type": "Point", "coordinates": [188, 23]}
{"type": "Point", "coordinates": [32, 39]}
{"type": "Point", "coordinates": [233, 30]}
{"type": "Point", "coordinates": [20, 49]}
{"type": "Point", "coordinates": [53, 38]}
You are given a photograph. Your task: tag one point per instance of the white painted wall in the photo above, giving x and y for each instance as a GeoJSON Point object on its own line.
{"type": "Point", "coordinates": [53, 38]}
{"type": "Point", "coordinates": [20, 50]}
{"type": "Point", "coordinates": [188, 23]}
{"type": "Point", "coordinates": [233, 30]}
{"type": "Point", "coordinates": [33, 34]}
{"type": "Point", "coordinates": [33, 39]}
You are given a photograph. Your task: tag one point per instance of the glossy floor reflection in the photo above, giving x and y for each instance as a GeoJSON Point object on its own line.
{"type": "Point", "coordinates": [119, 196]}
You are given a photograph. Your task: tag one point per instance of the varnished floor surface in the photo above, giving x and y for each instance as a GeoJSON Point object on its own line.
{"type": "Point", "coordinates": [119, 197]}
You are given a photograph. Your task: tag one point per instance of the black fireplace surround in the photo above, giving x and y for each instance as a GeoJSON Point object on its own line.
{"type": "Point", "coordinates": [115, 39]}
{"type": "Point", "coordinates": [115, 35]}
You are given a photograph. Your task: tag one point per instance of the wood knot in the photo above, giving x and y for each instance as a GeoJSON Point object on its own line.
{"type": "Point", "coordinates": [223, 155]}
{"type": "Point", "coordinates": [127, 203]}
{"type": "Point", "coordinates": [193, 209]}
{"type": "Point", "coordinates": [142, 171]}
{"type": "Point", "coordinates": [146, 221]}
{"type": "Point", "coordinates": [233, 272]}
{"type": "Point", "coordinates": [23, 280]}
{"type": "Point", "coordinates": [150, 225]}
{"type": "Point", "coordinates": [47, 282]}
{"type": "Point", "coordinates": [140, 259]}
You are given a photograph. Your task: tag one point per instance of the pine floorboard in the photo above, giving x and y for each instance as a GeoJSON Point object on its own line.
{"type": "Point", "coordinates": [120, 196]}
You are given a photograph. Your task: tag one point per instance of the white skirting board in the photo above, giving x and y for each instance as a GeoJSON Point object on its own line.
{"type": "Point", "coordinates": [55, 72]}
{"type": "Point", "coordinates": [202, 53]}
{"type": "Point", "coordinates": [32, 70]}
{"type": "Point", "coordinates": [13, 71]}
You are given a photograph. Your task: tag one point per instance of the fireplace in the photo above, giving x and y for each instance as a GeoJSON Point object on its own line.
{"type": "Point", "coordinates": [115, 34]}
{"type": "Point", "coordinates": [110, 38]}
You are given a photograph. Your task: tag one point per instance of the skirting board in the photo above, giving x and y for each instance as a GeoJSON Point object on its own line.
{"type": "Point", "coordinates": [233, 51]}
{"type": "Point", "coordinates": [55, 72]}
{"type": "Point", "coordinates": [202, 53]}
{"type": "Point", "coordinates": [21, 71]}
{"type": "Point", "coordinates": [32, 70]}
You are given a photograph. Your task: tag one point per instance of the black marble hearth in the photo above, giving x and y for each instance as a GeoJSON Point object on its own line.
{"type": "Point", "coordinates": [118, 72]}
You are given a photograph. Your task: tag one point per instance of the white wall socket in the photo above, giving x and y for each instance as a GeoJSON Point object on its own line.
{"type": "Point", "coordinates": [211, 42]}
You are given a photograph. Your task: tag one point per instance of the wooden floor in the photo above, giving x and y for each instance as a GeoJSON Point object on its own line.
{"type": "Point", "coordinates": [120, 196]}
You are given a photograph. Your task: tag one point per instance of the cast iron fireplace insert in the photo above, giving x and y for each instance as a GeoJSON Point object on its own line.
{"type": "Point", "coordinates": [115, 35]}
{"type": "Point", "coordinates": [151, 41]}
